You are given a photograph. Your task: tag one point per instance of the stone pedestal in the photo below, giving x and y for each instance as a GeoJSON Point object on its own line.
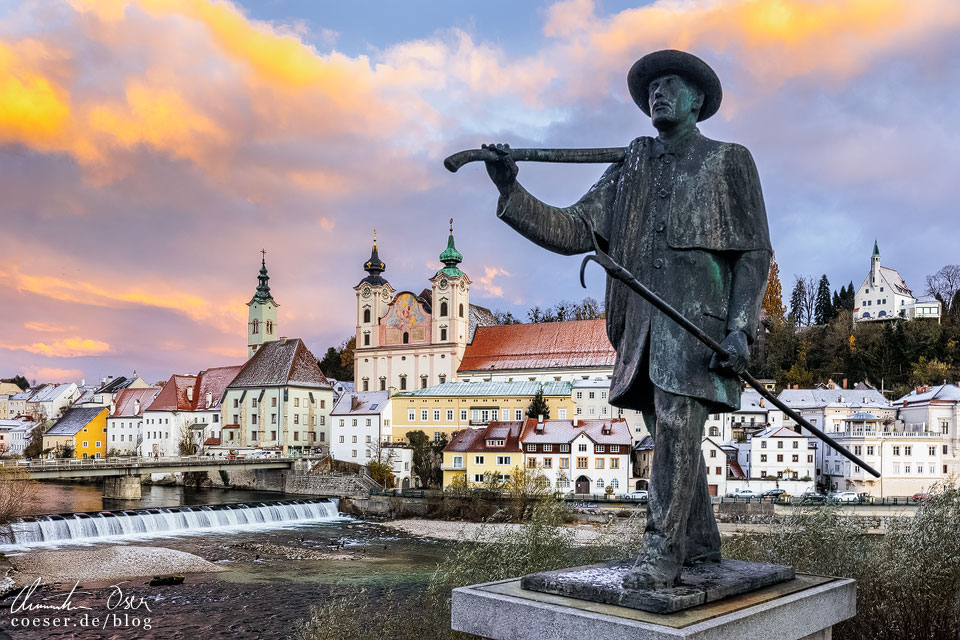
{"type": "Point", "coordinates": [805, 608]}
{"type": "Point", "coordinates": [121, 488]}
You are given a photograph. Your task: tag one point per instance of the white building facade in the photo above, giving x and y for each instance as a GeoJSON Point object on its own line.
{"type": "Point", "coordinates": [358, 429]}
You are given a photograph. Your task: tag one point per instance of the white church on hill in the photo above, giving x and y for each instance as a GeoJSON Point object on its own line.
{"type": "Point", "coordinates": [885, 296]}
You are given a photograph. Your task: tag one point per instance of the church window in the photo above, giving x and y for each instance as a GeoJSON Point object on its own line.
{"type": "Point", "coordinates": [366, 315]}
{"type": "Point", "coordinates": [443, 334]}
{"type": "Point", "coordinates": [269, 327]}
{"type": "Point", "coordinates": [366, 339]}
{"type": "Point", "coordinates": [461, 309]}
{"type": "Point", "coordinates": [423, 382]}
{"type": "Point", "coordinates": [383, 384]}
{"type": "Point", "coordinates": [443, 378]}
{"type": "Point", "coordinates": [256, 327]}
{"type": "Point", "coordinates": [403, 383]}
{"type": "Point", "coordinates": [406, 337]}
{"type": "Point", "coordinates": [366, 384]}
{"type": "Point", "coordinates": [443, 309]}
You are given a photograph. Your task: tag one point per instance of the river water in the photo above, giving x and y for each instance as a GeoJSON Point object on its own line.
{"type": "Point", "coordinates": [271, 576]}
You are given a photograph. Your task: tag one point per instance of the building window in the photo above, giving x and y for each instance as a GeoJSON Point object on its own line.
{"type": "Point", "coordinates": [406, 337]}
{"type": "Point", "coordinates": [581, 463]}
{"type": "Point", "coordinates": [582, 448]}
{"type": "Point", "coordinates": [423, 382]}
{"type": "Point", "coordinates": [269, 327]}
{"type": "Point", "coordinates": [531, 447]}
{"type": "Point", "coordinates": [548, 463]}
{"type": "Point", "coordinates": [411, 415]}
{"type": "Point", "coordinates": [600, 484]}
{"type": "Point", "coordinates": [403, 383]}
{"type": "Point", "coordinates": [531, 463]}
{"type": "Point", "coordinates": [443, 309]}
{"type": "Point", "coordinates": [599, 463]}
{"type": "Point", "coordinates": [477, 459]}
{"type": "Point", "coordinates": [366, 315]}
{"type": "Point", "coordinates": [461, 309]}
{"type": "Point", "coordinates": [442, 378]}
{"type": "Point", "coordinates": [564, 448]}
{"type": "Point", "coordinates": [463, 415]}
{"type": "Point", "coordinates": [564, 463]}
{"type": "Point", "coordinates": [518, 414]}
{"type": "Point", "coordinates": [383, 384]}
{"type": "Point", "coordinates": [601, 448]}
{"type": "Point", "coordinates": [436, 415]}
{"type": "Point", "coordinates": [449, 415]}
{"type": "Point", "coordinates": [443, 334]}
{"type": "Point", "coordinates": [366, 339]}
{"type": "Point", "coordinates": [562, 414]}
{"type": "Point", "coordinates": [424, 415]}
{"type": "Point", "coordinates": [256, 327]}
{"type": "Point", "coordinates": [253, 419]}
{"type": "Point", "coordinates": [763, 457]}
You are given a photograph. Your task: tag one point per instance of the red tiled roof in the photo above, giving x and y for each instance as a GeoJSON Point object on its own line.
{"type": "Point", "coordinates": [125, 402]}
{"type": "Point", "coordinates": [578, 343]}
{"type": "Point", "coordinates": [174, 395]}
{"type": "Point", "coordinates": [211, 442]}
{"type": "Point", "coordinates": [563, 431]}
{"type": "Point", "coordinates": [476, 439]}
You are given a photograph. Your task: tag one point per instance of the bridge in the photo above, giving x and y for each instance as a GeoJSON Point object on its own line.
{"type": "Point", "coordinates": [121, 476]}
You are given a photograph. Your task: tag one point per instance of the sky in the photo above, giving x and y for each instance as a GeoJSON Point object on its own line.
{"type": "Point", "coordinates": [149, 149]}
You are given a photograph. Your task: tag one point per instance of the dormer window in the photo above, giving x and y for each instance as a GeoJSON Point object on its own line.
{"type": "Point", "coordinates": [495, 443]}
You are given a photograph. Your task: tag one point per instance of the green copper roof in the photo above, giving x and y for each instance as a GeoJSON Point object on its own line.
{"type": "Point", "coordinates": [263, 288]}
{"type": "Point", "coordinates": [876, 250]}
{"type": "Point", "coordinates": [451, 257]}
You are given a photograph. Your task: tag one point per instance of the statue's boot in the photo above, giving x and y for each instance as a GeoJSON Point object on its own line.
{"type": "Point", "coordinates": [655, 569]}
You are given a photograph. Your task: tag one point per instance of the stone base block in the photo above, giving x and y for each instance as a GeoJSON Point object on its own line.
{"type": "Point", "coordinates": [121, 488]}
{"type": "Point", "coordinates": [701, 583]}
{"type": "Point", "coordinates": [805, 608]}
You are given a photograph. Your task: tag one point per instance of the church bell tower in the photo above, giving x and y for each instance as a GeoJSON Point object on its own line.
{"type": "Point", "coordinates": [262, 314]}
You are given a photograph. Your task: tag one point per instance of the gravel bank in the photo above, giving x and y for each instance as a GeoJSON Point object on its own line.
{"type": "Point", "coordinates": [105, 563]}
{"type": "Point", "coordinates": [447, 530]}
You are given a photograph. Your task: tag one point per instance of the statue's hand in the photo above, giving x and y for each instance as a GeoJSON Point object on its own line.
{"type": "Point", "coordinates": [504, 171]}
{"type": "Point", "coordinates": [738, 354]}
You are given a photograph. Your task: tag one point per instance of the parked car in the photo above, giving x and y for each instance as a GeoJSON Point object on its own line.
{"type": "Point", "coordinates": [640, 495]}
{"type": "Point", "coordinates": [845, 496]}
{"type": "Point", "coordinates": [743, 493]}
{"type": "Point", "coordinates": [812, 497]}
{"type": "Point", "coordinates": [774, 493]}
{"type": "Point", "coordinates": [920, 496]}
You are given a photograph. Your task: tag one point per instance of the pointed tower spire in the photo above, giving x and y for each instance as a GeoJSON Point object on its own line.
{"type": "Point", "coordinates": [876, 249]}
{"type": "Point", "coordinates": [451, 257]}
{"type": "Point", "coordinates": [263, 286]}
{"type": "Point", "coordinates": [374, 266]}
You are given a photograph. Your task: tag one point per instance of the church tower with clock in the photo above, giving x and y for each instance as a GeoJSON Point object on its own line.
{"type": "Point", "coordinates": [409, 341]}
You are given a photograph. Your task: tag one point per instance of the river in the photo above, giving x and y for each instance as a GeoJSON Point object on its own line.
{"type": "Point", "coordinates": [271, 575]}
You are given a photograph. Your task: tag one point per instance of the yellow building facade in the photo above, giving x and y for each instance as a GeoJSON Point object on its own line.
{"type": "Point", "coordinates": [481, 454]}
{"type": "Point", "coordinates": [84, 429]}
{"type": "Point", "coordinates": [455, 406]}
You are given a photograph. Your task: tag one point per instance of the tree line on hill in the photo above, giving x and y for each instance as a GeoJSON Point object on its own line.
{"type": "Point", "coordinates": [816, 340]}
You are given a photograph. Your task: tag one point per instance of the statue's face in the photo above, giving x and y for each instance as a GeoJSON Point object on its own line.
{"type": "Point", "coordinates": [673, 101]}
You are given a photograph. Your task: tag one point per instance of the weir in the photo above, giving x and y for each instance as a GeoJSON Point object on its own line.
{"type": "Point", "coordinates": [88, 527]}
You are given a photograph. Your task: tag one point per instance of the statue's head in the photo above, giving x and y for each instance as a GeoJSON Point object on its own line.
{"type": "Point", "coordinates": [673, 87]}
{"type": "Point", "coordinates": [673, 100]}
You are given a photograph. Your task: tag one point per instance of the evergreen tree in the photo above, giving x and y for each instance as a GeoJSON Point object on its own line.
{"type": "Point", "coordinates": [798, 302]}
{"type": "Point", "coordinates": [837, 303]}
{"type": "Point", "coordinates": [538, 406]}
{"type": "Point", "coordinates": [823, 308]}
{"type": "Point", "coordinates": [850, 298]}
{"type": "Point", "coordinates": [773, 297]}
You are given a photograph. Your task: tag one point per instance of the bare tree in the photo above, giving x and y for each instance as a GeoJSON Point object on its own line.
{"type": "Point", "coordinates": [944, 285]}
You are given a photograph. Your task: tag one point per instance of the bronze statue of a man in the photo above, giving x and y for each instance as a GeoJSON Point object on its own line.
{"type": "Point", "coordinates": [685, 215]}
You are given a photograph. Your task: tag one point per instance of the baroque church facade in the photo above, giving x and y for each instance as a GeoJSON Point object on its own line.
{"type": "Point", "coordinates": [409, 341]}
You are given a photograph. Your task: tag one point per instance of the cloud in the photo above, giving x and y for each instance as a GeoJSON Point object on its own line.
{"type": "Point", "coordinates": [486, 281]}
{"type": "Point", "coordinates": [52, 374]}
{"type": "Point", "coordinates": [67, 348]}
{"type": "Point", "coordinates": [43, 327]}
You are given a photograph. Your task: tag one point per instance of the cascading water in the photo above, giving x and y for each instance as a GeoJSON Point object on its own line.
{"type": "Point", "coordinates": [85, 528]}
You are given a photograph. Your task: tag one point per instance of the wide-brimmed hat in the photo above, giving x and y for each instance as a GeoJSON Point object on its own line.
{"type": "Point", "coordinates": [659, 63]}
